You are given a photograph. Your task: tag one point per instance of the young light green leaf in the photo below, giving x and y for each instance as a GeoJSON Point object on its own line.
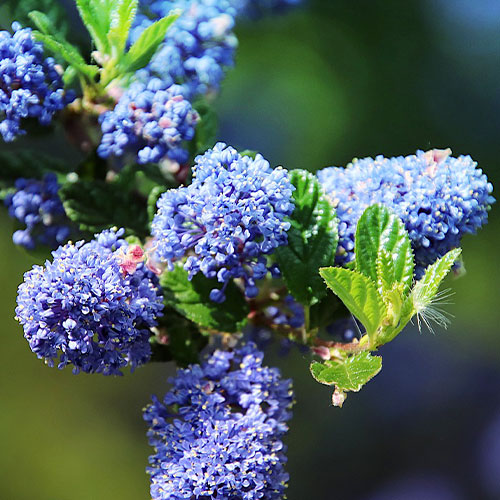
{"type": "Point", "coordinates": [191, 299]}
{"type": "Point", "coordinates": [349, 375]}
{"type": "Point", "coordinates": [67, 52]}
{"type": "Point", "coordinates": [359, 294]}
{"type": "Point", "coordinates": [148, 42]}
{"type": "Point", "coordinates": [42, 22]}
{"type": "Point", "coordinates": [312, 239]}
{"type": "Point", "coordinates": [380, 230]}
{"type": "Point", "coordinates": [404, 316]}
{"type": "Point", "coordinates": [121, 19]}
{"type": "Point", "coordinates": [95, 15]}
{"type": "Point", "coordinates": [427, 287]}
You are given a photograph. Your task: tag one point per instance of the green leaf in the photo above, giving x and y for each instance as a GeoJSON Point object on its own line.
{"type": "Point", "coordinates": [379, 231]}
{"type": "Point", "coordinates": [28, 164]}
{"type": "Point", "coordinates": [427, 287]}
{"type": "Point", "coordinates": [95, 15]}
{"type": "Point", "coordinates": [97, 205]}
{"type": "Point", "coordinates": [42, 22]}
{"type": "Point", "coordinates": [191, 298]}
{"type": "Point", "coordinates": [359, 294]}
{"type": "Point", "coordinates": [182, 341]}
{"type": "Point", "coordinates": [153, 197]}
{"type": "Point", "coordinates": [312, 239]}
{"type": "Point", "coordinates": [122, 17]}
{"type": "Point", "coordinates": [67, 52]}
{"type": "Point", "coordinates": [148, 42]}
{"type": "Point", "coordinates": [349, 375]}
{"type": "Point", "coordinates": [206, 128]}
{"type": "Point", "coordinates": [21, 9]}
{"type": "Point", "coordinates": [389, 332]}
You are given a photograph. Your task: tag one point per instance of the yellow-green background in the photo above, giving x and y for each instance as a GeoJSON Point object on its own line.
{"type": "Point", "coordinates": [331, 81]}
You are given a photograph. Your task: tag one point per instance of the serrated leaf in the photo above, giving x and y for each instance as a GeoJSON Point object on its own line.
{"type": "Point", "coordinates": [121, 19]}
{"type": "Point", "coordinates": [191, 299]}
{"type": "Point", "coordinates": [380, 230]}
{"type": "Point", "coordinates": [67, 52]}
{"type": "Point", "coordinates": [29, 165]}
{"type": "Point", "coordinates": [349, 375]}
{"type": "Point", "coordinates": [389, 332]}
{"type": "Point", "coordinates": [148, 43]}
{"type": "Point", "coordinates": [95, 15]}
{"type": "Point", "coordinates": [97, 205]}
{"type": "Point", "coordinates": [42, 22]}
{"type": "Point", "coordinates": [426, 288]}
{"type": "Point", "coordinates": [312, 239]}
{"type": "Point", "coordinates": [359, 294]}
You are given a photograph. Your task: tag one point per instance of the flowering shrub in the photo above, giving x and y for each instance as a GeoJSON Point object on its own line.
{"type": "Point", "coordinates": [218, 253]}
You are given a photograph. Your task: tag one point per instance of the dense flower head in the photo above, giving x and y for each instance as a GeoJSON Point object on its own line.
{"type": "Point", "coordinates": [89, 307]}
{"type": "Point", "coordinates": [152, 120]}
{"type": "Point", "coordinates": [217, 433]}
{"type": "Point", "coordinates": [227, 220]}
{"type": "Point", "coordinates": [36, 204]}
{"type": "Point", "coordinates": [198, 47]}
{"type": "Point", "coordinates": [30, 85]}
{"type": "Point", "coordinates": [439, 198]}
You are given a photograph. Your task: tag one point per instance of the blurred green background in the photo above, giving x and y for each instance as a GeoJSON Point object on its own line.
{"type": "Point", "coordinates": [327, 82]}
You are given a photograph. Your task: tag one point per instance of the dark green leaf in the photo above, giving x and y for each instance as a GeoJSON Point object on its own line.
{"type": "Point", "coordinates": [191, 298]}
{"type": "Point", "coordinates": [349, 375]}
{"type": "Point", "coordinates": [206, 128]}
{"type": "Point", "coordinates": [312, 239]}
{"type": "Point", "coordinates": [20, 11]}
{"type": "Point", "coordinates": [182, 341]}
{"type": "Point", "coordinates": [359, 294]}
{"type": "Point", "coordinates": [148, 42]}
{"type": "Point", "coordinates": [96, 205]}
{"type": "Point", "coordinates": [379, 231]}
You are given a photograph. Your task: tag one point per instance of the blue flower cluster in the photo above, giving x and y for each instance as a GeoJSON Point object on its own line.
{"type": "Point", "coordinates": [227, 220]}
{"type": "Point", "coordinates": [290, 313]}
{"type": "Point", "coordinates": [439, 198]}
{"type": "Point", "coordinates": [37, 205]}
{"type": "Point", "coordinates": [198, 47]}
{"type": "Point", "coordinates": [151, 120]}
{"type": "Point", "coordinates": [86, 309]}
{"type": "Point", "coordinates": [30, 85]}
{"type": "Point", "coordinates": [217, 433]}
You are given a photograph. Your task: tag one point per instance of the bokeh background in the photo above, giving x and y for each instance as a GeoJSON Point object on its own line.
{"type": "Point", "coordinates": [325, 83]}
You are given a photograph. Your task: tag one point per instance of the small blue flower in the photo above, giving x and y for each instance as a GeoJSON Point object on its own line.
{"type": "Point", "coordinates": [151, 120]}
{"type": "Point", "coordinates": [217, 433]}
{"type": "Point", "coordinates": [30, 85]}
{"type": "Point", "coordinates": [84, 308]}
{"type": "Point", "coordinates": [37, 205]}
{"type": "Point", "coordinates": [198, 47]}
{"type": "Point", "coordinates": [439, 198]}
{"type": "Point", "coordinates": [227, 220]}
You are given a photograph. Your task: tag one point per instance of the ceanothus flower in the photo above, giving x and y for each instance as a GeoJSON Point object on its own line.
{"type": "Point", "coordinates": [198, 47]}
{"type": "Point", "coordinates": [37, 205]}
{"type": "Point", "coordinates": [217, 433]}
{"type": "Point", "coordinates": [92, 306]}
{"type": "Point", "coordinates": [227, 220]}
{"type": "Point", "coordinates": [439, 199]}
{"type": "Point", "coordinates": [30, 85]}
{"type": "Point", "coordinates": [151, 120]}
